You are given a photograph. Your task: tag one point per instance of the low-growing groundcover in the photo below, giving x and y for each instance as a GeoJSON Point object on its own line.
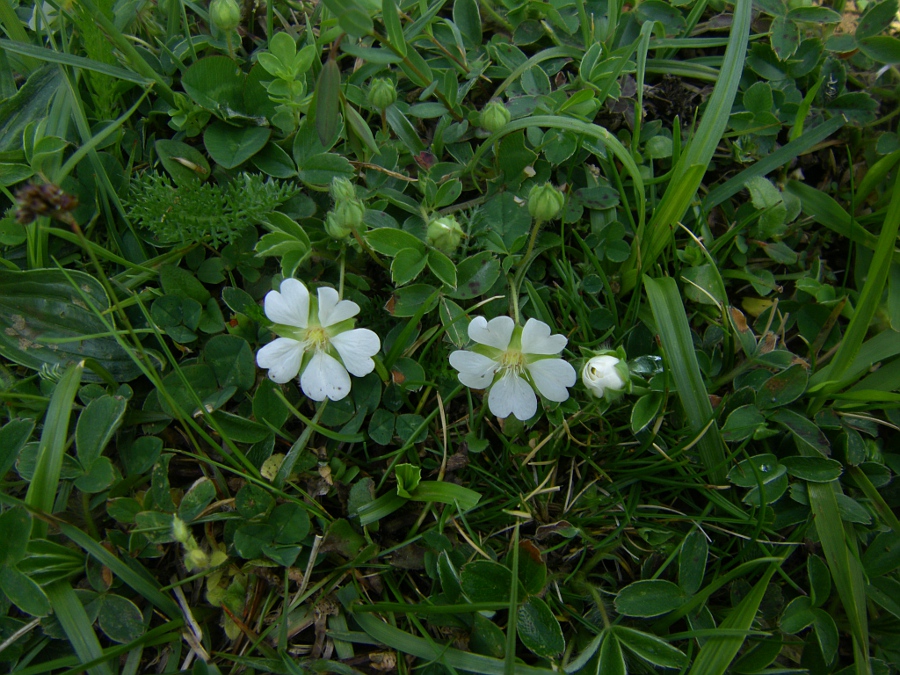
{"type": "Point", "coordinates": [451, 336]}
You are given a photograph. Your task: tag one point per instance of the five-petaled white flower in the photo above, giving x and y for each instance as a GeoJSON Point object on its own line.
{"type": "Point", "coordinates": [512, 361]}
{"type": "Point", "coordinates": [310, 333]}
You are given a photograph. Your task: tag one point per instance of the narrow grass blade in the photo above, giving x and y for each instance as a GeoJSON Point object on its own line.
{"type": "Point", "coordinates": [717, 652]}
{"type": "Point", "coordinates": [144, 585]}
{"type": "Point", "coordinates": [698, 153]}
{"type": "Point", "coordinates": [769, 163]}
{"type": "Point", "coordinates": [42, 489]}
{"type": "Point", "coordinates": [77, 626]}
{"type": "Point", "coordinates": [409, 644]}
{"type": "Point", "coordinates": [842, 555]}
{"type": "Point", "coordinates": [52, 56]}
{"type": "Point", "coordinates": [576, 126]}
{"type": "Point", "coordinates": [671, 322]}
{"type": "Point", "coordinates": [14, 28]}
{"type": "Point", "coordinates": [869, 299]}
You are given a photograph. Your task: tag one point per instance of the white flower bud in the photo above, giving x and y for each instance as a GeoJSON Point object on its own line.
{"type": "Point", "coordinates": [605, 375]}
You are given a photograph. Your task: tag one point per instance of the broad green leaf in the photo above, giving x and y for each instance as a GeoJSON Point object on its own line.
{"type": "Point", "coordinates": [232, 146]}
{"type": "Point", "coordinates": [23, 592]}
{"type": "Point", "coordinates": [783, 387]}
{"type": "Point", "coordinates": [408, 477]}
{"type": "Point", "coordinates": [77, 625]}
{"type": "Point", "coordinates": [486, 581]}
{"type": "Point", "coordinates": [442, 267]}
{"type": "Point", "coordinates": [692, 561]}
{"type": "Point", "coordinates": [408, 263]}
{"type": "Point", "coordinates": [184, 162]}
{"type": "Point", "coordinates": [648, 647]}
{"type": "Point", "coordinates": [15, 524]}
{"type": "Point", "coordinates": [196, 499]}
{"type": "Point", "coordinates": [328, 89]}
{"type": "Point", "coordinates": [120, 619]}
{"type": "Point", "coordinates": [610, 660]}
{"type": "Point", "coordinates": [50, 317]}
{"type": "Point", "coordinates": [538, 629]}
{"type": "Point", "coordinates": [813, 469]}
{"type": "Point", "coordinates": [649, 597]}
{"type": "Point", "coordinates": [392, 26]}
{"type": "Point", "coordinates": [13, 435]}
{"type": "Point", "coordinates": [96, 425]}
{"type": "Point", "coordinates": [231, 360]}
{"type": "Point", "coordinates": [468, 19]}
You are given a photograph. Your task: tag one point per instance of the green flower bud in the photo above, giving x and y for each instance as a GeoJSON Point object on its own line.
{"type": "Point", "coordinates": [382, 93]}
{"type": "Point", "coordinates": [494, 116]}
{"type": "Point", "coordinates": [180, 530]}
{"type": "Point", "coordinates": [346, 217]}
{"type": "Point", "coordinates": [342, 189]}
{"type": "Point", "coordinates": [225, 14]}
{"type": "Point", "coordinates": [196, 559]}
{"type": "Point", "coordinates": [545, 202]}
{"type": "Point", "coordinates": [444, 234]}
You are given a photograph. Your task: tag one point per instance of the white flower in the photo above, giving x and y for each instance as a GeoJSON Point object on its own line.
{"type": "Point", "coordinates": [604, 374]}
{"type": "Point", "coordinates": [512, 361]}
{"type": "Point", "coordinates": [311, 336]}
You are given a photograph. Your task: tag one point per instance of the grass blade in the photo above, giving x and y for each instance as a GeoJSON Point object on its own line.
{"type": "Point", "coordinates": [78, 627]}
{"type": "Point", "coordinates": [52, 56]}
{"type": "Point", "coordinates": [769, 163]}
{"type": "Point", "coordinates": [671, 322]}
{"type": "Point", "coordinates": [42, 489]}
{"type": "Point", "coordinates": [698, 153]}
{"type": "Point", "coordinates": [869, 299]}
{"type": "Point", "coordinates": [717, 652]}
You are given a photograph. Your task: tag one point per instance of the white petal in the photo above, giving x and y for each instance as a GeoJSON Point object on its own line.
{"type": "Point", "coordinates": [494, 333]}
{"type": "Point", "coordinates": [332, 309]}
{"type": "Point", "coordinates": [289, 307]}
{"type": "Point", "coordinates": [600, 374]}
{"type": "Point", "coordinates": [551, 377]}
{"type": "Point", "coordinates": [475, 370]}
{"type": "Point", "coordinates": [512, 395]}
{"type": "Point", "coordinates": [325, 377]}
{"type": "Point", "coordinates": [282, 357]}
{"type": "Point", "coordinates": [536, 339]}
{"type": "Point", "coordinates": [356, 348]}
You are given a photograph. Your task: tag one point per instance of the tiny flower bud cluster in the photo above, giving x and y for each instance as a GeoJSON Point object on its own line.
{"type": "Point", "coordinates": [347, 214]}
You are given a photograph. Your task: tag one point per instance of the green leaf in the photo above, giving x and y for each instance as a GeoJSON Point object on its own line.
{"type": "Point", "coordinates": [139, 456]}
{"type": "Point", "coordinates": [813, 469]}
{"type": "Point", "coordinates": [442, 267]}
{"type": "Point", "coordinates": [485, 581]}
{"type": "Point", "coordinates": [250, 538]}
{"type": "Point", "coordinates": [391, 241]}
{"type": "Point", "coordinates": [475, 276]}
{"type": "Point", "coordinates": [215, 83]}
{"type": "Point", "coordinates": [381, 426]}
{"type": "Point", "coordinates": [675, 334]}
{"type": "Point", "coordinates": [408, 477]}
{"type": "Point", "coordinates": [184, 163]}
{"type": "Point", "coordinates": [252, 501]}
{"type": "Point", "coordinates": [13, 435]}
{"type": "Point", "coordinates": [232, 146]}
{"type": "Point", "coordinates": [611, 661]}
{"type": "Point", "coordinates": [15, 524]}
{"type": "Point", "coordinates": [23, 592]}
{"type": "Point", "coordinates": [468, 19]}
{"type": "Point", "coordinates": [742, 423]}
{"type": "Point", "coordinates": [645, 410]}
{"type": "Point", "coordinates": [883, 555]}
{"type": "Point", "coordinates": [814, 15]}
{"type": "Point", "coordinates": [328, 89]}
{"type": "Point", "coordinates": [538, 629]}
{"type": "Point", "coordinates": [78, 626]}
{"type": "Point", "coordinates": [805, 432]}
{"type": "Point", "coordinates": [407, 265]}
{"type": "Point", "coordinates": [290, 523]}
{"type": "Point", "coordinates": [692, 561]}
{"type": "Point", "coordinates": [785, 37]}
{"type": "Point", "coordinates": [719, 650]}
{"type": "Point", "coordinates": [649, 597]}
{"type": "Point", "coordinates": [41, 493]}
{"type": "Point", "coordinates": [232, 361]}
{"type": "Point", "coordinates": [96, 425]}
{"type": "Point", "coordinates": [53, 317]}
{"type": "Point", "coordinates": [876, 18]}
{"type": "Point", "coordinates": [323, 168]}
{"type": "Point", "coordinates": [648, 647]}
{"type": "Point", "coordinates": [392, 26]}
{"type": "Point", "coordinates": [120, 619]}
{"type": "Point", "coordinates": [196, 499]}
{"type": "Point", "coordinates": [446, 493]}
{"type": "Point", "coordinates": [783, 387]}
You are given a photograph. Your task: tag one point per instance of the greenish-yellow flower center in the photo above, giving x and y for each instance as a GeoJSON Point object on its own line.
{"type": "Point", "coordinates": [513, 359]}
{"type": "Point", "coordinates": [316, 338]}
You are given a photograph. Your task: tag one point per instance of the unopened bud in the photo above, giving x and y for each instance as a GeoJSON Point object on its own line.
{"type": "Point", "coordinates": [196, 559]}
{"type": "Point", "coordinates": [494, 116]}
{"type": "Point", "coordinates": [342, 189]}
{"type": "Point", "coordinates": [444, 234]}
{"type": "Point", "coordinates": [606, 376]}
{"type": "Point", "coordinates": [180, 530]}
{"type": "Point", "coordinates": [225, 14]}
{"type": "Point", "coordinates": [382, 93]}
{"type": "Point", "coordinates": [545, 202]}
